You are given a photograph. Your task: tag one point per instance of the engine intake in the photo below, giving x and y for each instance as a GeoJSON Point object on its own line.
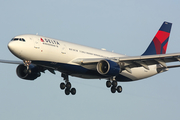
{"type": "Point", "coordinates": [30, 74]}
{"type": "Point", "coordinates": [108, 68]}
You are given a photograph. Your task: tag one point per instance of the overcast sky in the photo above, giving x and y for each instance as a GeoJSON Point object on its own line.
{"type": "Point", "coordinates": [125, 27]}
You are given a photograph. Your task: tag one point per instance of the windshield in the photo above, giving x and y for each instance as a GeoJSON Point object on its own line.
{"type": "Point", "coordinates": [18, 39]}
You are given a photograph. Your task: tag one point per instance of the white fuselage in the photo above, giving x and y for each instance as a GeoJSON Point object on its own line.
{"type": "Point", "coordinates": [51, 53]}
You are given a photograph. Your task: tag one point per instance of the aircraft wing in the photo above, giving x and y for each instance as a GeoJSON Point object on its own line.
{"type": "Point", "coordinates": [21, 62]}
{"type": "Point", "coordinates": [11, 62]}
{"type": "Point", "coordinates": [151, 59]}
{"type": "Point", "coordinates": [137, 61]}
{"type": "Point", "coordinates": [144, 61]}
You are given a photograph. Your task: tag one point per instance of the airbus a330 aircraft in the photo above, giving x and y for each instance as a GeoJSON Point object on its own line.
{"type": "Point", "coordinates": [39, 53]}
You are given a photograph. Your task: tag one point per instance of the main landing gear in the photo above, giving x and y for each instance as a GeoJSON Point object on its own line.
{"type": "Point", "coordinates": [67, 85]}
{"type": "Point", "coordinates": [113, 85]}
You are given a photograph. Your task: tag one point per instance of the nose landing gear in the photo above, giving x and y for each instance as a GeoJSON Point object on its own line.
{"type": "Point", "coordinates": [67, 85]}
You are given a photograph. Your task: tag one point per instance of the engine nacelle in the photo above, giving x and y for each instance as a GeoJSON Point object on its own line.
{"type": "Point", "coordinates": [30, 74]}
{"type": "Point", "coordinates": [108, 68]}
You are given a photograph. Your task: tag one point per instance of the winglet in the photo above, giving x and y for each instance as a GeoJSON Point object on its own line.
{"type": "Point", "coordinates": [160, 41]}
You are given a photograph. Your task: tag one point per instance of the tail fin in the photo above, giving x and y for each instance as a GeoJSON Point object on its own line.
{"type": "Point", "coordinates": [160, 41]}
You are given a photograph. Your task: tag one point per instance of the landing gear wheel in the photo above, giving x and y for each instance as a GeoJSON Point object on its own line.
{"type": "Point", "coordinates": [113, 89]}
{"type": "Point", "coordinates": [67, 91]}
{"type": "Point", "coordinates": [62, 86]}
{"type": "Point", "coordinates": [108, 84]}
{"type": "Point", "coordinates": [73, 91]}
{"type": "Point", "coordinates": [68, 85]}
{"type": "Point", "coordinates": [114, 83]}
{"type": "Point", "coordinates": [119, 89]}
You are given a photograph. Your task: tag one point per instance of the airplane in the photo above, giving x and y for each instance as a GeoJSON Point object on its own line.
{"type": "Point", "coordinates": [39, 53]}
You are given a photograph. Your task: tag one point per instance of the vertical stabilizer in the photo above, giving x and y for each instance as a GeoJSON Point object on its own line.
{"type": "Point", "coordinates": [160, 41]}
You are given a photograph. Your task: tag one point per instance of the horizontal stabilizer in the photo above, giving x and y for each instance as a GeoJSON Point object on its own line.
{"type": "Point", "coordinates": [173, 66]}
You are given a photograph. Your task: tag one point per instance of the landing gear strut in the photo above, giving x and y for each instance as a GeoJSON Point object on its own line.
{"type": "Point", "coordinates": [113, 84]}
{"type": "Point", "coordinates": [67, 85]}
{"type": "Point", "coordinates": [27, 63]}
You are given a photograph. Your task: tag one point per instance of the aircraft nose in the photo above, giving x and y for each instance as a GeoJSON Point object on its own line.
{"type": "Point", "coordinates": [10, 46]}
{"type": "Point", "coordinates": [13, 47]}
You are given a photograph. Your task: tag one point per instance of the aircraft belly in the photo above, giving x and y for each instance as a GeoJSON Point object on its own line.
{"type": "Point", "coordinates": [139, 73]}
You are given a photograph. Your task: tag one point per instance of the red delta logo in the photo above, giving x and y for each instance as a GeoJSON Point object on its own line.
{"type": "Point", "coordinates": [49, 41]}
{"type": "Point", "coordinates": [42, 40]}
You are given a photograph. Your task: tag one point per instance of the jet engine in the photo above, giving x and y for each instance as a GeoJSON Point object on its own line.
{"type": "Point", "coordinates": [29, 74]}
{"type": "Point", "coordinates": [108, 68]}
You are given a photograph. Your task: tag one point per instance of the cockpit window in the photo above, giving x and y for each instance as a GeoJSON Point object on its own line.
{"type": "Point", "coordinates": [18, 39]}
{"type": "Point", "coordinates": [21, 39]}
